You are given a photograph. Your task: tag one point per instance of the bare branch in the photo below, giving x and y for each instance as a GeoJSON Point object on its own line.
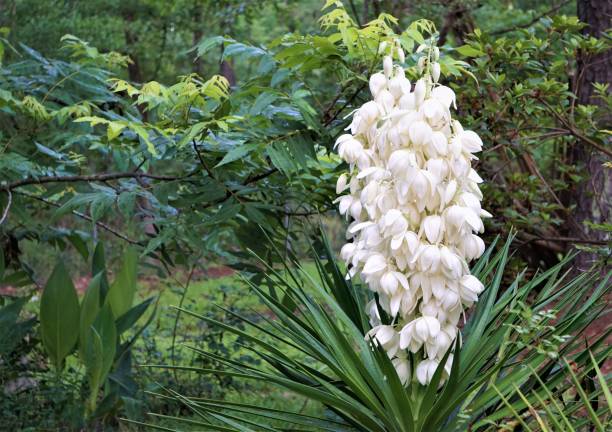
{"type": "Point", "coordinates": [87, 178]}
{"type": "Point", "coordinates": [573, 130]}
{"type": "Point", "coordinates": [7, 208]}
{"type": "Point", "coordinates": [85, 217]}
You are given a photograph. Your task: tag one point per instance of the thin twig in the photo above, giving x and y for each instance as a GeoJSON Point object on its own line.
{"type": "Point", "coordinates": [534, 169]}
{"type": "Point", "coordinates": [83, 216]}
{"type": "Point", "coordinates": [178, 315]}
{"type": "Point", "coordinates": [573, 131]}
{"type": "Point", "coordinates": [87, 178]}
{"type": "Point", "coordinates": [8, 206]}
{"type": "Point", "coordinates": [537, 238]}
{"type": "Point", "coordinates": [260, 176]}
{"type": "Point", "coordinates": [346, 103]}
{"type": "Point", "coordinates": [210, 173]}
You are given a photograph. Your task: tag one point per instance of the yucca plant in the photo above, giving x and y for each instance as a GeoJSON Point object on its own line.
{"type": "Point", "coordinates": [571, 406]}
{"type": "Point", "coordinates": [513, 341]}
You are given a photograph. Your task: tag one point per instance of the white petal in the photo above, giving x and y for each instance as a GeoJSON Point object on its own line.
{"type": "Point", "coordinates": [375, 263]}
{"type": "Point", "coordinates": [377, 83]}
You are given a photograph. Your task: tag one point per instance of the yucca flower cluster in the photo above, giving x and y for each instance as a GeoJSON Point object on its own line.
{"type": "Point", "coordinates": [415, 205]}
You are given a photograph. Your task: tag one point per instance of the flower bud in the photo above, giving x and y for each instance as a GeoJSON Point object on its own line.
{"type": "Point", "coordinates": [432, 226]}
{"type": "Point", "coordinates": [403, 369]}
{"type": "Point", "coordinates": [471, 141]}
{"type": "Point", "coordinates": [375, 263]}
{"type": "Point", "coordinates": [435, 72]}
{"type": "Point", "coordinates": [369, 112]}
{"type": "Point", "coordinates": [388, 66]}
{"type": "Point", "coordinates": [436, 53]}
{"type": "Point", "coordinates": [377, 83]}
{"type": "Point", "coordinates": [386, 101]}
{"type": "Point", "coordinates": [426, 370]}
{"type": "Point", "coordinates": [400, 54]}
{"type": "Point", "coordinates": [445, 95]}
{"type": "Point", "coordinates": [421, 64]}
{"type": "Point", "coordinates": [399, 86]}
{"type": "Point", "coordinates": [419, 92]}
{"type": "Point", "coordinates": [341, 184]}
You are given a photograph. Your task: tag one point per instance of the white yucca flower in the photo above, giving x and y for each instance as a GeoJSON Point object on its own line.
{"type": "Point", "coordinates": [414, 202]}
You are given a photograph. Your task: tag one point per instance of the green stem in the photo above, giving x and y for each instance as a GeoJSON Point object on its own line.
{"type": "Point", "coordinates": [178, 315]}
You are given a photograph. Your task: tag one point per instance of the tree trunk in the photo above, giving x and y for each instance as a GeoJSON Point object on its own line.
{"type": "Point", "coordinates": [593, 197]}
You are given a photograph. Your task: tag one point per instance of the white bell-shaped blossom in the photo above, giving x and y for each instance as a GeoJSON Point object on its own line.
{"type": "Point", "coordinates": [415, 208]}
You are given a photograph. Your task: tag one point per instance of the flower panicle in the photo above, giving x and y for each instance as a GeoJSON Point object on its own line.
{"type": "Point", "coordinates": [415, 208]}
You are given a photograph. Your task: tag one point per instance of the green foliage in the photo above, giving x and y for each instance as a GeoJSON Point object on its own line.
{"type": "Point", "coordinates": [121, 293]}
{"type": "Point", "coordinates": [100, 141]}
{"type": "Point", "coordinates": [527, 111]}
{"type": "Point", "coordinates": [99, 347]}
{"type": "Point", "coordinates": [12, 328]}
{"type": "Point", "coordinates": [59, 316]}
{"type": "Point", "coordinates": [175, 161]}
{"type": "Point", "coordinates": [548, 407]}
{"type": "Point", "coordinates": [104, 342]}
{"type": "Point", "coordinates": [90, 307]}
{"type": "Point", "coordinates": [339, 369]}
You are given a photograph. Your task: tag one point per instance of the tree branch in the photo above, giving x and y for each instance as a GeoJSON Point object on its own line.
{"type": "Point", "coordinates": [87, 178]}
{"type": "Point", "coordinates": [85, 217]}
{"type": "Point", "coordinates": [573, 130]}
{"type": "Point", "coordinates": [8, 206]}
{"type": "Point", "coordinates": [260, 176]}
{"type": "Point", "coordinates": [346, 103]}
{"type": "Point", "coordinates": [537, 239]}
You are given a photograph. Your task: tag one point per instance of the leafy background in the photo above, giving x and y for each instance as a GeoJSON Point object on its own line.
{"type": "Point", "coordinates": [193, 133]}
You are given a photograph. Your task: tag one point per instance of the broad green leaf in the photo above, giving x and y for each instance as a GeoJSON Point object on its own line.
{"type": "Point", "coordinates": [100, 205]}
{"type": "Point", "coordinates": [236, 153]}
{"type": "Point", "coordinates": [126, 202]}
{"type": "Point", "coordinates": [114, 130]}
{"type": "Point", "coordinates": [281, 158]}
{"type": "Point", "coordinates": [90, 306]}
{"type": "Point", "coordinates": [59, 316]}
{"type": "Point", "coordinates": [80, 245]}
{"type": "Point", "coordinates": [105, 327]}
{"type": "Point", "coordinates": [121, 293]}
{"type": "Point", "coordinates": [263, 101]}
{"type": "Point", "coordinates": [131, 317]}
{"type": "Point", "coordinates": [98, 265]}
{"type": "Point", "coordinates": [469, 51]}
{"type": "Point", "coordinates": [94, 364]}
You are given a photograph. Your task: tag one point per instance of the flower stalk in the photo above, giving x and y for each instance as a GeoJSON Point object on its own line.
{"type": "Point", "coordinates": [414, 202]}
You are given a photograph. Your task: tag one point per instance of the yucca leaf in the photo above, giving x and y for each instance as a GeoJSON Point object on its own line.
{"type": "Point", "coordinates": [585, 399]}
{"type": "Point", "coordinates": [512, 409]}
{"type": "Point", "coordinates": [549, 414]}
{"type": "Point", "coordinates": [531, 409]}
{"type": "Point", "coordinates": [205, 426]}
{"type": "Point", "coordinates": [602, 382]}
{"type": "Point", "coordinates": [320, 320]}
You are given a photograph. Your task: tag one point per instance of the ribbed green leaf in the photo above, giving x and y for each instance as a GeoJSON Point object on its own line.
{"type": "Point", "coordinates": [122, 290]}
{"type": "Point", "coordinates": [59, 316]}
{"type": "Point", "coordinates": [90, 306]}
